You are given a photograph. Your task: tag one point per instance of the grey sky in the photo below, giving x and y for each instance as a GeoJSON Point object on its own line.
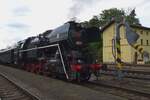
{"type": "Point", "coordinates": [23, 18]}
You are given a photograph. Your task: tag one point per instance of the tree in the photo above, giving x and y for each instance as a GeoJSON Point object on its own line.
{"type": "Point", "coordinates": [131, 18]}
{"type": "Point", "coordinates": [113, 13]}
{"type": "Point", "coordinates": [94, 21]}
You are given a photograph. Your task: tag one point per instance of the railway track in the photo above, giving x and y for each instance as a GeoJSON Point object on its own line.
{"type": "Point", "coordinates": [10, 91]}
{"type": "Point", "coordinates": [131, 65]}
{"type": "Point", "coordinates": [127, 93]}
{"type": "Point", "coordinates": [131, 71]}
{"type": "Point", "coordinates": [143, 75]}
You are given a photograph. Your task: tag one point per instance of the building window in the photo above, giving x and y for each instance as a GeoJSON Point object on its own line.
{"type": "Point", "coordinates": [147, 33]}
{"type": "Point", "coordinates": [141, 32]}
{"type": "Point", "coordinates": [141, 41]}
{"type": "Point", "coordinates": [147, 42]}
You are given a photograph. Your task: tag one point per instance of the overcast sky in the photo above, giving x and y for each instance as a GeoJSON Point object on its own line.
{"type": "Point", "coordinates": [23, 18]}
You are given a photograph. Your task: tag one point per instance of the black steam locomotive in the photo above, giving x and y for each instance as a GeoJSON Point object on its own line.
{"type": "Point", "coordinates": [61, 52]}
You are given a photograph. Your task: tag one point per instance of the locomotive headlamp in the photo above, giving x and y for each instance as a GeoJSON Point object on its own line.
{"type": "Point", "coordinates": [79, 61]}
{"type": "Point", "coordinates": [79, 43]}
{"type": "Point", "coordinates": [78, 40]}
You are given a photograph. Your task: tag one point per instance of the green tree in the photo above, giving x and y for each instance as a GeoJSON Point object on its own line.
{"type": "Point", "coordinates": [94, 22]}
{"type": "Point", "coordinates": [131, 18]}
{"type": "Point", "coordinates": [113, 13]}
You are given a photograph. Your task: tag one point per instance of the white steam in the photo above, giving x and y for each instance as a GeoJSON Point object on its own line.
{"type": "Point", "coordinates": [79, 5]}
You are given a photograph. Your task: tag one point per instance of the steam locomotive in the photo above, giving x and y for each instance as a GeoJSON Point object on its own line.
{"type": "Point", "coordinates": [61, 52]}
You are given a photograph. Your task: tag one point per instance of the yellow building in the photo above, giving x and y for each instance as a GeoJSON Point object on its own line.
{"type": "Point", "coordinates": [128, 54]}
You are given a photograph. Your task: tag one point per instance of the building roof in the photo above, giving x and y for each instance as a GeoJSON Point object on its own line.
{"type": "Point", "coordinates": [140, 27]}
{"type": "Point", "coordinates": [107, 25]}
{"type": "Point", "coordinates": [133, 26]}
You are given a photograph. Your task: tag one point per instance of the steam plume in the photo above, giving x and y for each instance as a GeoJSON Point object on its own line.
{"type": "Point", "coordinates": [79, 5]}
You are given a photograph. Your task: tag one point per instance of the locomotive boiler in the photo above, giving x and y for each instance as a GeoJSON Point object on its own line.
{"type": "Point", "coordinates": [61, 52]}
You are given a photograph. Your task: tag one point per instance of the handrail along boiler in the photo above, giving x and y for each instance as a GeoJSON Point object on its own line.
{"type": "Point", "coordinates": [61, 52]}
